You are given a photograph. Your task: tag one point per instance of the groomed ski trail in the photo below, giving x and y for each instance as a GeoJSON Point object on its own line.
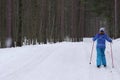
{"type": "Point", "coordinates": [101, 73]}
{"type": "Point", "coordinates": [61, 61]}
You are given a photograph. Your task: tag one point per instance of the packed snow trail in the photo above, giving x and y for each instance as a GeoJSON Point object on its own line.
{"type": "Point", "coordinates": [102, 73]}
{"type": "Point", "coordinates": [60, 61]}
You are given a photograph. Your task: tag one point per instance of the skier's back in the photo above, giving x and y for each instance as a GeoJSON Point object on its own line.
{"type": "Point", "coordinates": [101, 38]}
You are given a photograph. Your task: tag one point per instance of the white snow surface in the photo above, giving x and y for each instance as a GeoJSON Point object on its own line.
{"type": "Point", "coordinates": [59, 61]}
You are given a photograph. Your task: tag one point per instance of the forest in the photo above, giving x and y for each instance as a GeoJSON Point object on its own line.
{"type": "Point", "coordinates": [42, 21]}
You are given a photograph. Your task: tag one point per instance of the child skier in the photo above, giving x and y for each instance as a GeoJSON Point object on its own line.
{"type": "Point", "coordinates": [101, 37]}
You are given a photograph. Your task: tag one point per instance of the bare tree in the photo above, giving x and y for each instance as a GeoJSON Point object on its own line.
{"type": "Point", "coordinates": [19, 38]}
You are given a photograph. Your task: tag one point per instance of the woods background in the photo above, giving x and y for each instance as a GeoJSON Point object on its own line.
{"type": "Point", "coordinates": [43, 21]}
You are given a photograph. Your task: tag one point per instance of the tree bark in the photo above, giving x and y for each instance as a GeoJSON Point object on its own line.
{"type": "Point", "coordinates": [19, 38]}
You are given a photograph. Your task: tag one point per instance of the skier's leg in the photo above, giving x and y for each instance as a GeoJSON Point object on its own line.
{"type": "Point", "coordinates": [98, 60]}
{"type": "Point", "coordinates": [103, 57]}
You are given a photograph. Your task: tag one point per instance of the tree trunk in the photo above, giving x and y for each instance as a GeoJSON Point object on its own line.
{"type": "Point", "coordinates": [19, 38]}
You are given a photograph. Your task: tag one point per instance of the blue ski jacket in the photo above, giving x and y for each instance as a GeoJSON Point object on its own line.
{"type": "Point", "coordinates": [101, 40]}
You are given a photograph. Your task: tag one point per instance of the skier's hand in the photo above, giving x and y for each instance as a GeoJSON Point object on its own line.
{"type": "Point", "coordinates": [111, 42]}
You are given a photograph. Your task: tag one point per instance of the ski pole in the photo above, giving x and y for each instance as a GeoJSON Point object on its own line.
{"type": "Point", "coordinates": [112, 56]}
{"type": "Point", "coordinates": [91, 53]}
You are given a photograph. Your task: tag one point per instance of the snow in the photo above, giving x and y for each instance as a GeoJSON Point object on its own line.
{"type": "Point", "coordinates": [60, 61]}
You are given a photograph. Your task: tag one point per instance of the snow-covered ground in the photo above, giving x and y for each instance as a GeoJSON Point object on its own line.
{"type": "Point", "coordinates": [60, 61]}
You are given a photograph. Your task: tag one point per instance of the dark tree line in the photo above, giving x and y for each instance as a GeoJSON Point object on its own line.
{"type": "Point", "coordinates": [42, 21]}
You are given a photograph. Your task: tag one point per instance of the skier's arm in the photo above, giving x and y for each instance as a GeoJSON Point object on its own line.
{"type": "Point", "coordinates": [95, 37]}
{"type": "Point", "coordinates": [108, 38]}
